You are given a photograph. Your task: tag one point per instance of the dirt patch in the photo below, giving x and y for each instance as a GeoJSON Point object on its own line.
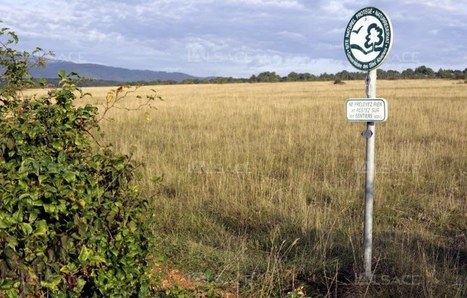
{"type": "Point", "coordinates": [173, 278]}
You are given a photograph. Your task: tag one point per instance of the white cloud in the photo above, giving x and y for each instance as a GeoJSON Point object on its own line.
{"type": "Point", "coordinates": [288, 4]}
{"type": "Point", "coordinates": [172, 9]}
{"type": "Point", "coordinates": [449, 5]}
{"type": "Point", "coordinates": [291, 35]}
{"type": "Point", "coordinates": [337, 8]}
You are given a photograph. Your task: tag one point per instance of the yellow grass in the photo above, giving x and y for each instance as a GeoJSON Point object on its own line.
{"type": "Point", "coordinates": [262, 185]}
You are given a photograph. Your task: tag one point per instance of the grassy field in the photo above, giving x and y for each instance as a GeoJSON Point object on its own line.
{"type": "Point", "coordinates": [262, 186]}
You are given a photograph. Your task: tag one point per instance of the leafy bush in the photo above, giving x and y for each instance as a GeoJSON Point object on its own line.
{"type": "Point", "coordinates": [72, 224]}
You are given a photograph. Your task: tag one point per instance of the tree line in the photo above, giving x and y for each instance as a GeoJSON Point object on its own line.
{"type": "Point", "coordinates": [421, 72]}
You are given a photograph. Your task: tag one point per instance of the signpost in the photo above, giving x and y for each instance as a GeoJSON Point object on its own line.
{"type": "Point", "coordinates": [367, 42]}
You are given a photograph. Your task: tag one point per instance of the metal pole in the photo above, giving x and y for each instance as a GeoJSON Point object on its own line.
{"type": "Point", "coordinates": [369, 180]}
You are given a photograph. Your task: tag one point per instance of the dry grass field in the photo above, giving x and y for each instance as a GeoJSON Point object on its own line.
{"type": "Point", "coordinates": [261, 189]}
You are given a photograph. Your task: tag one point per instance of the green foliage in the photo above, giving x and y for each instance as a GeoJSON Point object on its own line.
{"type": "Point", "coordinates": [15, 64]}
{"type": "Point", "coordinates": [266, 76]}
{"type": "Point", "coordinates": [72, 224]}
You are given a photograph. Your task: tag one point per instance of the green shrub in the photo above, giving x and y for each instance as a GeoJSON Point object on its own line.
{"type": "Point", "coordinates": [72, 224]}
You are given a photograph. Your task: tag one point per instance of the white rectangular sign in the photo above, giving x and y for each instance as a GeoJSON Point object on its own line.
{"type": "Point", "coordinates": [366, 109]}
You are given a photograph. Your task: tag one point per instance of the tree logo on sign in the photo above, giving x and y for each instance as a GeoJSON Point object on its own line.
{"type": "Point", "coordinates": [373, 39]}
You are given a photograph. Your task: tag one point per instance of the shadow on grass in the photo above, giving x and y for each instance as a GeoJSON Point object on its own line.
{"type": "Point", "coordinates": [265, 254]}
{"type": "Point", "coordinates": [410, 266]}
{"type": "Point", "coordinates": [328, 264]}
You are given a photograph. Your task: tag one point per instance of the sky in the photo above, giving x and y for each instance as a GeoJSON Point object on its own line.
{"type": "Point", "coordinates": [234, 37]}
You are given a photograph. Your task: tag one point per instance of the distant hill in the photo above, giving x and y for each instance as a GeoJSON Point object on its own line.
{"type": "Point", "coordinates": [106, 73]}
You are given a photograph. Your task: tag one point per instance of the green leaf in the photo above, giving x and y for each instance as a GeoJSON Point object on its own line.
{"type": "Point", "coordinates": [82, 203]}
{"type": "Point", "coordinates": [49, 208]}
{"type": "Point", "coordinates": [11, 292]}
{"type": "Point", "coordinates": [12, 242]}
{"type": "Point", "coordinates": [80, 285]}
{"type": "Point", "coordinates": [84, 254]}
{"type": "Point", "coordinates": [33, 215]}
{"type": "Point", "coordinates": [52, 283]}
{"type": "Point", "coordinates": [26, 228]}
{"type": "Point", "coordinates": [41, 179]}
{"type": "Point", "coordinates": [23, 185]}
{"type": "Point", "coordinates": [96, 260]}
{"type": "Point", "coordinates": [61, 74]}
{"type": "Point", "coordinates": [132, 226]}
{"type": "Point", "coordinates": [42, 82]}
{"type": "Point", "coordinates": [41, 228]}
{"type": "Point", "coordinates": [10, 143]}
{"type": "Point", "coordinates": [17, 217]}
{"type": "Point", "coordinates": [3, 224]}
{"type": "Point", "coordinates": [70, 177]}
{"type": "Point", "coordinates": [69, 268]}
{"type": "Point", "coordinates": [14, 37]}
{"type": "Point", "coordinates": [23, 196]}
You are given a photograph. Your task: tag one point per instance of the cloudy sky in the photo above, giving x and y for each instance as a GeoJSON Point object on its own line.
{"type": "Point", "coordinates": [234, 37]}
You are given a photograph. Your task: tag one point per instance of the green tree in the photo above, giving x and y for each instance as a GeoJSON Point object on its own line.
{"type": "Point", "coordinates": [408, 73]}
{"type": "Point", "coordinates": [424, 72]}
{"type": "Point", "coordinates": [293, 77]}
{"type": "Point", "coordinates": [253, 79]}
{"type": "Point", "coordinates": [444, 74]}
{"type": "Point", "coordinates": [269, 77]}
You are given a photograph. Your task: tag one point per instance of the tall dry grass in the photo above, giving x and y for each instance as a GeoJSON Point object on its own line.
{"type": "Point", "coordinates": [262, 188]}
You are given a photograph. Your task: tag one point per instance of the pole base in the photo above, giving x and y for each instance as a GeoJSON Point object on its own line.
{"type": "Point", "coordinates": [364, 279]}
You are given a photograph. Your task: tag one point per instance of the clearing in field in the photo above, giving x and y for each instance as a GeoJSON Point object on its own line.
{"type": "Point", "coordinates": [262, 186]}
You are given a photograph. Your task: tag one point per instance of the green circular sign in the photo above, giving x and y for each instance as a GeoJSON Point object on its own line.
{"type": "Point", "coordinates": [368, 38]}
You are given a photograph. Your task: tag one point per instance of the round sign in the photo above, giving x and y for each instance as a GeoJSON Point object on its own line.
{"type": "Point", "coordinates": [368, 38]}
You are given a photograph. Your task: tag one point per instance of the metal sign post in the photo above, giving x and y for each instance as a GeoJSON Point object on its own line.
{"type": "Point", "coordinates": [367, 42]}
{"type": "Point", "coordinates": [369, 181]}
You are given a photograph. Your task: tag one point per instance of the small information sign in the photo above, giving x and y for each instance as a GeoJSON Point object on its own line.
{"type": "Point", "coordinates": [366, 109]}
